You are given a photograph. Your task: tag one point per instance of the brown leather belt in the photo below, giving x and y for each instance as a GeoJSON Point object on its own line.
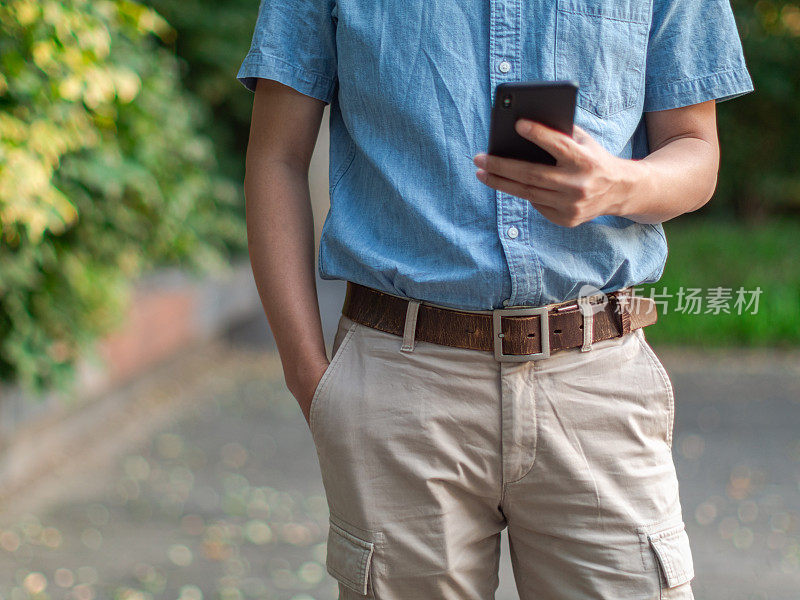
{"type": "Point", "coordinates": [513, 334]}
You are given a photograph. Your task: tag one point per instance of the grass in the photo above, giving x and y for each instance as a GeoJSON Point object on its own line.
{"type": "Point", "coordinates": [707, 254]}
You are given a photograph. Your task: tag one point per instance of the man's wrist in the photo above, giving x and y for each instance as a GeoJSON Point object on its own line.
{"type": "Point", "coordinates": [634, 190]}
{"type": "Point", "coordinates": [300, 369]}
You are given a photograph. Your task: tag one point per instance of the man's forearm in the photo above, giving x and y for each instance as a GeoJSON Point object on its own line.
{"type": "Point", "coordinates": [280, 237]}
{"type": "Point", "coordinates": [677, 178]}
{"type": "Point", "coordinates": [588, 181]}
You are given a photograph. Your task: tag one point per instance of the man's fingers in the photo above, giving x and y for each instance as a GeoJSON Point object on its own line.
{"type": "Point", "coordinates": [545, 201]}
{"type": "Point", "coordinates": [515, 188]}
{"type": "Point", "coordinates": [580, 135]}
{"type": "Point", "coordinates": [538, 175]}
{"type": "Point", "coordinates": [561, 146]}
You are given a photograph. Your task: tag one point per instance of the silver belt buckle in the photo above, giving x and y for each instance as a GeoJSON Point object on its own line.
{"type": "Point", "coordinates": [497, 333]}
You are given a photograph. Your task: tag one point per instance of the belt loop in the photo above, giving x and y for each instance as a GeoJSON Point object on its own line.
{"type": "Point", "coordinates": [585, 305]}
{"type": "Point", "coordinates": [622, 308]}
{"type": "Point", "coordinates": [410, 329]}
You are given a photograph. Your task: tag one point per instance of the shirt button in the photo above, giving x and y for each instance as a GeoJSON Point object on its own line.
{"type": "Point", "coordinates": [512, 232]}
{"type": "Point", "coordinates": [504, 66]}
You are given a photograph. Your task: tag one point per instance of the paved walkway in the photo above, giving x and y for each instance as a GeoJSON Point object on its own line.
{"type": "Point", "coordinates": [219, 495]}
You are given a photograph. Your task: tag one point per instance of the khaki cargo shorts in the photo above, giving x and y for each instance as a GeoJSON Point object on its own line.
{"type": "Point", "coordinates": [426, 456]}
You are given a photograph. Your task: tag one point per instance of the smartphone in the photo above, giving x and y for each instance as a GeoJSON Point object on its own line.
{"type": "Point", "coordinates": [549, 102]}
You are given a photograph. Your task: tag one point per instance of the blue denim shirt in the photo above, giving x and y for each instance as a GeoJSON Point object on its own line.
{"type": "Point", "coordinates": [410, 85]}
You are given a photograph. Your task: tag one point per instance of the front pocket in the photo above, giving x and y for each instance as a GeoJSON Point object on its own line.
{"type": "Point", "coordinates": [670, 545]}
{"type": "Point", "coordinates": [603, 46]}
{"type": "Point", "coordinates": [344, 334]}
{"type": "Point", "coordinates": [669, 390]}
{"type": "Point", "coordinates": [349, 559]}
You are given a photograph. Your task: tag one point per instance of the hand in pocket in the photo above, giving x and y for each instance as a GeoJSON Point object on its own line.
{"type": "Point", "coordinates": [306, 382]}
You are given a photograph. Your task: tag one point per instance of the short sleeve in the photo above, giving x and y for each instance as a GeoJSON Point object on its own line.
{"type": "Point", "coordinates": [294, 43]}
{"type": "Point", "coordinates": [694, 55]}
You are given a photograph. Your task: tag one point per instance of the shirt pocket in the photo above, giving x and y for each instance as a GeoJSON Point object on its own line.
{"type": "Point", "coordinates": [602, 44]}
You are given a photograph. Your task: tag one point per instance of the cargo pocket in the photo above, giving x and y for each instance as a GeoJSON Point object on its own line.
{"type": "Point", "coordinates": [349, 560]}
{"type": "Point", "coordinates": [669, 544]}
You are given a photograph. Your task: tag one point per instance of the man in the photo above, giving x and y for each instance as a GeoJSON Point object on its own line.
{"type": "Point", "coordinates": [442, 418]}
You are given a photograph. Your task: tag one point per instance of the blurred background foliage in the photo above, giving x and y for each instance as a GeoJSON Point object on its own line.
{"type": "Point", "coordinates": [122, 140]}
{"type": "Point", "coordinates": [760, 132]}
{"type": "Point", "coordinates": [212, 40]}
{"type": "Point", "coordinates": [105, 171]}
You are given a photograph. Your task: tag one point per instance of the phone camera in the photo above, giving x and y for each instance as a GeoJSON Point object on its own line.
{"type": "Point", "coordinates": [507, 101]}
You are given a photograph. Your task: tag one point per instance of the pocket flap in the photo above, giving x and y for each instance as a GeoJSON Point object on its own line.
{"type": "Point", "coordinates": [671, 546]}
{"type": "Point", "coordinates": [349, 558]}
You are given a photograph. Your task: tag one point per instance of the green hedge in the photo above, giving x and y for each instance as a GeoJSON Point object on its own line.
{"type": "Point", "coordinates": [706, 253]}
{"type": "Point", "coordinates": [104, 173]}
{"type": "Point", "coordinates": [760, 132]}
{"type": "Point", "coordinates": [213, 39]}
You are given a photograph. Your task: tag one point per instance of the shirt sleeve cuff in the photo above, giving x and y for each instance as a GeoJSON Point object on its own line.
{"type": "Point", "coordinates": [257, 65]}
{"type": "Point", "coordinates": [720, 86]}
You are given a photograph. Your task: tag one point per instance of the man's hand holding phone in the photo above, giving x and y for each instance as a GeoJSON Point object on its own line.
{"type": "Point", "coordinates": [587, 181]}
